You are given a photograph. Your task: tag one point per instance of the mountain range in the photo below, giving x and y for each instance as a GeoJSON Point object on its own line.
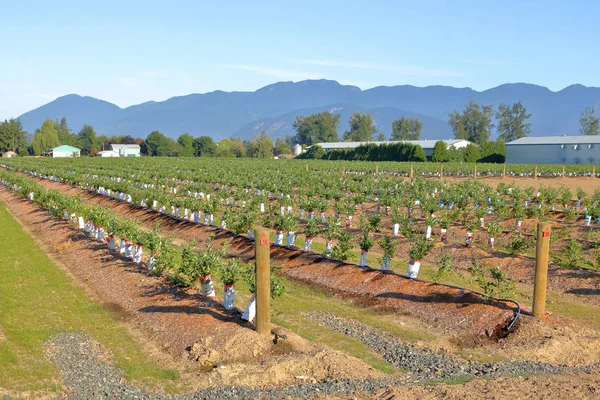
{"type": "Point", "coordinates": [274, 108]}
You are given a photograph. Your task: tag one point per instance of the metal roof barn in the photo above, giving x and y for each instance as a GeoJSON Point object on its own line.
{"type": "Point", "coordinates": [554, 150]}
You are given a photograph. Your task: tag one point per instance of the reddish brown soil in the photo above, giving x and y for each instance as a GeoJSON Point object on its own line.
{"type": "Point", "coordinates": [455, 310]}
{"type": "Point", "coordinates": [182, 323]}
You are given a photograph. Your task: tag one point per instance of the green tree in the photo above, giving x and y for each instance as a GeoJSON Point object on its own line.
{"type": "Point", "coordinates": [157, 144]}
{"type": "Point", "coordinates": [317, 128]}
{"type": "Point", "coordinates": [45, 138]}
{"type": "Point", "coordinates": [87, 139]}
{"type": "Point", "coordinates": [237, 147]}
{"type": "Point", "coordinates": [380, 137]}
{"type": "Point", "coordinates": [314, 152]}
{"type": "Point", "coordinates": [406, 129]}
{"type": "Point", "coordinates": [473, 124]}
{"type": "Point", "coordinates": [65, 136]}
{"type": "Point", "coordinates": [260, 146]}
{"type": "Point", "coordinates": [512, 122]}
{"type": "Point", "coordinates": [12, 137]}
{"type": "Point", "coordinates": [204, 146]}
{"type": "Point", "coordinates": [471, 153]}
{"type": "Point", "coordinates": [186, 141]}
{"type": "Point", "coordinates": [362, 128]}
{"type": "Point", "coordinates": [282, 146]}
{"type": "Point", "coordinates": [440, 152]}
{"type": "Point", "coordinates": [588, 123]}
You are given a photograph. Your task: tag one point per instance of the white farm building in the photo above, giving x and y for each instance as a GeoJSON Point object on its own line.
{"type": "Point", "coordinates": [426, 144]}
{"type": "Point", "coordinates": [554, 150]}
{"type": "Point", "coordinates": [126, 150]}
{"type": "Point", "coordinates": [64, 151]}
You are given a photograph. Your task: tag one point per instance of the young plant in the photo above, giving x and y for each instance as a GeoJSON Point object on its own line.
{"type": "Point", "coordinates": [444, 262]}
{"type": "Point", "coordinates": [388, 246]}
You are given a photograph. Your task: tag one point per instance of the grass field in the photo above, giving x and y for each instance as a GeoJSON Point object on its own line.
{"type": "Point", "coordinates": [38, 300]}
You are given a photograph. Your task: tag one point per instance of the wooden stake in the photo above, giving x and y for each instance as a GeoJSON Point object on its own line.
{"type": "Point", "coordinates": [376, 168]}
{"type": "Point", "coordinates": [541, 269]}
{"type": "Point", "coordinates": [563, 174]}
{"type": "Point", "coordinates": [593, 171]}
{"type": "Point", "coordinates": [411, 172]}
{"type": "Point", "coordinates": [474, 171]}
{"type": "Point", "coordinates": [442, 171]}
{"type": "Point", "coordinates": [504, 173]}
{"type": "Point", "coordinates": [307, 166]}
{"type": "Point", "coordinates": [535, 173]}
{"type": "Point", "coordinates": [263, 282]}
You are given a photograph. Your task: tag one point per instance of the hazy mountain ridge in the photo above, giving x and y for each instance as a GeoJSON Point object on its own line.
{"type": "Point", "coordinates": [274, 107]}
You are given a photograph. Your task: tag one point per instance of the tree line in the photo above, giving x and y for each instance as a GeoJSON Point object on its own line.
{"type": "Point", "coordinates": [55, 133]}
{"type": "Point", "coordinates": [475, 123]}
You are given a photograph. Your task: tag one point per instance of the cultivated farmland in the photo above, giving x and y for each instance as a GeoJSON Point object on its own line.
{"type": "Point", "coordinates": [385, 275]}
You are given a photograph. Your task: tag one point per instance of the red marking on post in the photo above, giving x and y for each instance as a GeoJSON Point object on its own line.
{"type": "Point", "coordinates": [264, 240]}
{"type": "Point", "coordinates": [546, 233]}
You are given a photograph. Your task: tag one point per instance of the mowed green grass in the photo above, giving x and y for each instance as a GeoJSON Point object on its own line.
{"type": "Point", "coordinates": [38, 300]}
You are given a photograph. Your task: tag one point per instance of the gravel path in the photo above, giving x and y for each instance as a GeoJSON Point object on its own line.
{"type": "Point", "coordinates": [89, 377]}
{"type": "Point", "coordinates": [425, 363]}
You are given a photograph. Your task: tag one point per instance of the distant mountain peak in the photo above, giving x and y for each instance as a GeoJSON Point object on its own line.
{"type": "Point", "coordinates": [274, 107]}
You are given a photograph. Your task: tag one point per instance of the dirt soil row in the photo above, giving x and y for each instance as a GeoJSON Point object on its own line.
{"type": "Point", "coordinates": [193, 330]}
{"type": "Point", "coordinates": [454, 310]}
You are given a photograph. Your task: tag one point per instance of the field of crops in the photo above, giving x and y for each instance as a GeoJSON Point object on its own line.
{"type": "Point", "coordinates": [428, 222]}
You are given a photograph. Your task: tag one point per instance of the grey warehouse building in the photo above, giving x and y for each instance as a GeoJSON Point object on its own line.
{"type": "Point", "coordinates": [554, 150]}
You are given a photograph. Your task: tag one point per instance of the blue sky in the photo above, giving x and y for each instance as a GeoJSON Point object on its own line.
{"type": "Point", "coordinates": [128, 52]}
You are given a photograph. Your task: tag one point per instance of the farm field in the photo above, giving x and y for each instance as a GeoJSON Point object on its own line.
{"type": "Point", "coordinates": [352, 330]}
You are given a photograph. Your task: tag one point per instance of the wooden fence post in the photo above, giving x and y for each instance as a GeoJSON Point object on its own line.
{"type": "Point", "coordinates": [474, 171]}
{"type": "Point", "coordinates": [411, 172]}
{"type": "Point", "coordinates": [442, 171]}
{"type": "Point", "coordinates": [306, 166]}
{"type": "Point", "coordinates": [563, 174]}
{"type": "Point", "coordinates": [541, 269]}
{"type": "Point", "coordinates": [263, 282]}
{"type": "Point", "coordinates": [593, 171]}
{"type": "Point", "coordinates": [504, 172]}
{"type": "Point", "coordinates": [535, 173]}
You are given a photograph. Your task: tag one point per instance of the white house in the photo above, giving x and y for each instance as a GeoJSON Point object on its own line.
{"type": "Point", "coordinates": [554, 150]}
{"type": "Point", "coordinates": [64, 151]}
{"type": "Point", "coordinates": [296, 149]}
{"type": "Point", "coordinates": [426, 144]}
{"type": "Point", "coordinates": [107, 153]}
{"type": "Point", "coordinates": [9, 154]}
{"type": "Point", "coordinates": [126, 150]}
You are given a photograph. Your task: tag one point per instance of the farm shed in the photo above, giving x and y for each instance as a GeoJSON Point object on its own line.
{"type": "Point", "coordinates": [427, 144]}
{"type": "Point", "coordinates": [126, 150]}
{"type": "Point", "coordinates": [554, 150]}
{"type": "Point", "coordinates": [107, 153]}
{"type": "Point", "coordinates": [9, 154]}
{"type": "Point", "coordinates": [64, 151]}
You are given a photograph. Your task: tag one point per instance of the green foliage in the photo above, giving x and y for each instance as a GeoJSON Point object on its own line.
{"type": "Point", "coordinates": [440, 152]}
{"type": "Point", "coordinates": [12, 137]}
{"type": "Point", "coordinates": [373, 222]}
{"type": "Point", "coordinates": [495, 283]}
{"type": "Point", "coordinates": [572, 255]}
{"type": "Point", "coordinates": [45, 138]}
{"type": "Point", "coordinates": [186, 142]}
{"type": "Point", "coordinates": [473, 124]}
{"type": "Point", "coordinates": [362, 128]}
{"type": "Point", "coordinates": [519, 244]}
{"type": "Point", "coordinates": [365, 241]}
{"type": "Point", "coordinates": [282, 146]}
{"type": "Point", "coordinates": [512, 122]}
{"type": "Point", "coordinates": [157, 144]}
{"type": "Point", "coordinates": [341, 251]}
{"type": "Point", "coordinates": [406, 129]}
{"type": "Point", "coordinates": [420, 248]}
{"type": "Point", "coordinates": [471, 153]}
{"type": "Point", "coordinates": [493, 229]}
{"type": "Point", "coordinates": [230, 271]}
{"type": "Point", "coordinates": [204, 146]}
{"type": "Point", "coordinates": [260, 146]}
{"type": "Point", "coordinates": [277, 284]}
{"type": "Point", "coordinates": [312, 228]}
{"type": "Point", "coordinates": [65, 136]}
{"type": "Point", "coordinates": [445, 263]}
{"type": "Point", "coordinates": [373, 152]}
{"type": "Point", "coordinates": [87, 139]}
{"type": "Point", "coordinates": [589, 123]}
{"type": "Point", "coordinates": [388, 245]}
{"type": "Point", "coordinates": [317, 128]}
{"type": "Point", "coordinates": [315, 152]}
